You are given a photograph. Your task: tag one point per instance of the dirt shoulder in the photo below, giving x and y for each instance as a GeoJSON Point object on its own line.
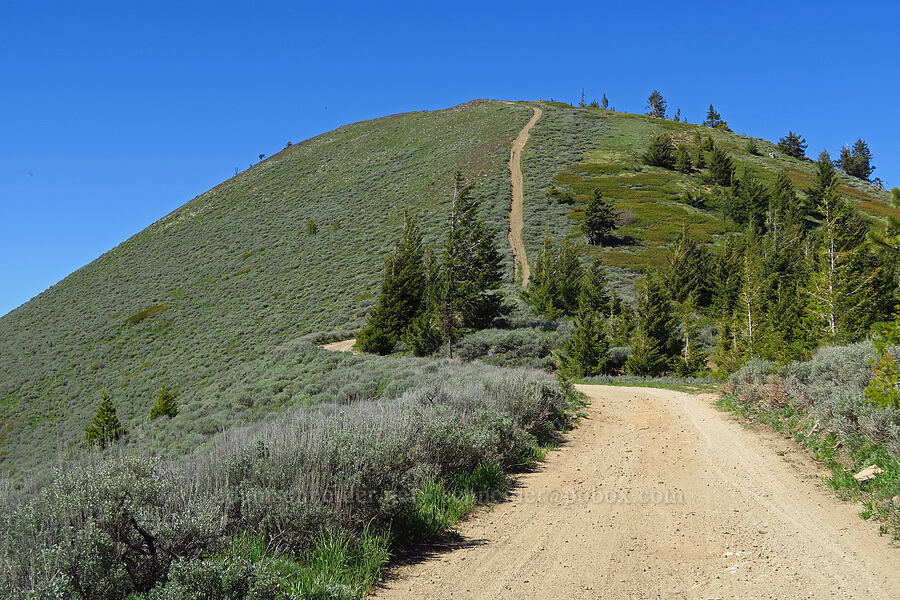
{"type": "Point", "coordinates": [659, 495]}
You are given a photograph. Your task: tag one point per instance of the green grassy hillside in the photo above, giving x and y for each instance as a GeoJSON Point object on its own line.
{"type": "Point", "coordinates": [200, 299]}
{"type": "Point", "coordinates": [213, 298]}
{"type": "Point", "coordinates": [579, 149]}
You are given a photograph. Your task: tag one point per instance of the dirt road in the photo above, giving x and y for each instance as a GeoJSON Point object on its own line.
{"type": "Point", "coordinates": [657, 495]}
{"type": "Point", "coordinates": [516, 219]}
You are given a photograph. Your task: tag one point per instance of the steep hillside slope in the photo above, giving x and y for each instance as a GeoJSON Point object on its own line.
{"type": "Point", "coordinates": [580, 149]}
{"type": "Point", "coordinates": [212, 299]}
{"type": "Point", "coordinates": [197, 300]}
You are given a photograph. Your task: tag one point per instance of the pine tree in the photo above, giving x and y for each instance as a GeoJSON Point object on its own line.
{"type": "Point", "coordinates": [677, 117]}
{"type": "Point", "coordinates": [683, 159]}
{"type": "Point", "coordinates": [622, 323]}
{"type": "Point", "coordinates": [105, 428]}
{"type": "Point", "coordinates": [656, 321]}
{"type": "Point", "coordinates": [555, 283]}
{"type": "Point", "coordinates": [472, 267]}
{"type": "Point", "coordinates": [784, 200]}
{"type": "Point", "coordinates": [165, 404]}
{"type": "Point", "coordinates": [604, 103]}
{"type": "Point", "coordinates": [594, 295]}
{"type": "Point", "coordinates": [750, 305]}
{"type": "Point", "coordinates": [857, 162]}
{"type": "Point", "coordinates": [656, 105]}
{"type": "Point", "coordinates": [849, 289]}
{"type": "Point", "coordinates": [721, 167]}
{"type": "Point", "coordinates": [646, 358]}
{"type": "Point", "coordinates": [692, 359]}
{"type": "Point", "coordinates": [599, 218]}
{"type": "Point", "coordinates": [661, 152]}
{"type": "Point", "coordinates": [712, 117]}
{"type": "Point", "coordinates": [587, 352]}
{"type": "Point", "coordinates": [423, 335]}
{"type": "Point", "coordinates": [685, 273]}
{"type": "Point", "coordinates": [752, 201]}
{"type": "Point", "coordinates": [792, 144]}
{"type": "Point", "coordinates": [402, 292]}
{"type": "Point", "coordinates": [888, 239]}
{"type": "Point", "coordinates": [826, 178]}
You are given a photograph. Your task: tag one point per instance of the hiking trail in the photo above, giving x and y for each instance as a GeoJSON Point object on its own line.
{"type": "Point", "coordinates": [516, 218]}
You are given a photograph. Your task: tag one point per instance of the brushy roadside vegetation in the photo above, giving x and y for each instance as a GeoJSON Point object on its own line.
{"type": "Point", "coordinates": [821, 404]}
{"type": "Point", "coordinates": [306, 504]}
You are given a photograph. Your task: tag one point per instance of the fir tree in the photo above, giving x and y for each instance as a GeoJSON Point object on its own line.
{"type": "Point", "coordinates": [683, 159]}
{"type": "Point", "coordinates": [661, 152]}
{"type": "Point", "coordinates": [826, 178]}
{"type": "Point", "coordinates": [721, 167]}
{"type": "Point", "coordinates": [849, 289]}
{"type": "Point", "coordinates": [858, 161]}
{"type": "Point", "coordinates": [165, 404]}
{"type": "Point", "coordinates": [752, 201]}
{"type": "Point", "coordinates": [692, 359]}
{"type": "Point", "coordinates": [793, 145]}
{"type": "Point", "coordinates": [888, 239]}
{"type": "Point", "coordinates": [622, 323]}
{"type": "Point", "coordinates": [656, 321]}
{"type": "Point", "coordinates": [685, 273]}
{"type": "Point", "coordinates": [402, 293]}
{"type": "Point", "coordinates": [423, 335]}
{"type": "Point", "coordinates": [656, 105]}
{"type": "Point", "coordinates": [105, 428]}
{"type": "Point", "coordinates": [594, 295]}
{"type": "Point", "coordinates": [599, 218]}
{"type": "Point", "coordinates": [555, 283]}
{"type": "Point", "coordinates": [604, 103]}
{"type": "Point", "coordinates": [472, 265]}
{"type": "Point", "coordinates": [587, 352]}
{"type": "Point", "coordinates": [784, 201]}
{"type": "Point", "coordinates": [646, 358]}
{"type": "Point", "coordinates": [713, 118]}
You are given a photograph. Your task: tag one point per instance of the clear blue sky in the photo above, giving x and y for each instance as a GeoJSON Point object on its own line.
{"type": "Point", "coordinates": [112, 116]}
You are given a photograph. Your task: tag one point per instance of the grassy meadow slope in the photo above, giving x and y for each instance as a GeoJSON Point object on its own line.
{"type": "Point", "coordinates": [203, 299]}
{"type": "Point", "coordinates": [580, 149]}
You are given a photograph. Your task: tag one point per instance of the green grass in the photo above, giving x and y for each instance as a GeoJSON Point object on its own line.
{"type": "Point", "coordinates": [205, 297]}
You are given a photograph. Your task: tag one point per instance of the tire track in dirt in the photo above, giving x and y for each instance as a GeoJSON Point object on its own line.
{"type": "Point", "coordinates": [658, 495]}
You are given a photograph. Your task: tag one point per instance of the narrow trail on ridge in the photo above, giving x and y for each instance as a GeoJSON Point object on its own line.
{"type": "Point", "coordinates": [658, 495]}
{"type": "Point", "coordinates": [516, 218]}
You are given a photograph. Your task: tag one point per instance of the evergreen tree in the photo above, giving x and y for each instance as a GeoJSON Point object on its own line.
{"type": "Point", "coordinates": [555, 283]}
{"type": "Point", "coordinates": [656, 105]}
{"type": "Point", "coordinates": [402, 293]}
{"type": "Point", "coordinates": [646, 358]}
{"type": "Point", "coordinates": [751, 201]}
{"type": "Point", "coordinates": [721, 167]}
{"type": "Point", "coordinates": [599, 218]}
{"type": "Point", "coordinates": [622, 323]}
{"type": "Point", "coordinates": [692, 359]}
{"type": "Point", "coordinates": [784, 201]}
{"type": "Point", "coordinates": [423, 335]}
{"type": "Point", "coordinates": [677, 117]}
{"type": "Point", "coordinates": [656, 320]}
{"type": "Point", "coordinates": [683, 159]}
{"type": "Point", "coordinates": [826, 178]}
{"type": "Point", "coordinates": [587, 352]}
{"type": "Point", "coordinates": [888, 239]}
{"type": "Point", "coordinates": [685, 273]}
{"type": "Point", "coordinates": [105, 428]}
{"type": "Point", "coordinates": [793, 145]}
{"type": "Point", "coordinates": [713, 118]}
{"type": "Point", "coordinates": [849, 289]}
{"type": "Point", "coordinates": [604, 103]}
{"type": "Point", "coordinates": [594, 295]}
{"type": "Point", "coordinates": [661, 152]}
{"type": "Point", "coordinates": [858, 161]}
{"type": "Point", "coordinates": [472, 264]}
{"type": "Point", "coordinates": [165, 404]}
